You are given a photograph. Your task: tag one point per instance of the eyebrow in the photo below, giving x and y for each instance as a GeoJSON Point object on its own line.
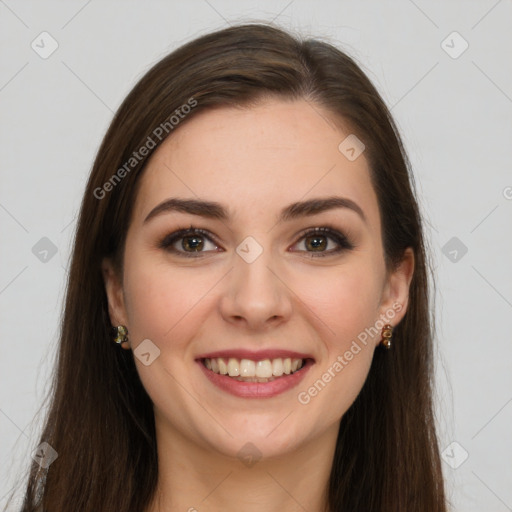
{"type": "Point", "coordinates": [214, 210]}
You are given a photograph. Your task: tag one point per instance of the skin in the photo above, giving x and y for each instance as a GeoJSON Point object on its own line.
{"type": "Point", "coordinates": [254, 162]}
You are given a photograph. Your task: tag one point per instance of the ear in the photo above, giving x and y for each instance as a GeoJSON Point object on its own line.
{"type": "Point", "coordinates": [395, 296]}
{"type": "Point", "coordinates": [115, 297]}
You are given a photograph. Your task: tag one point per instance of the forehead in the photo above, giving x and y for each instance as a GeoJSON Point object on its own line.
{"type": "Point", "coordinates": [255, 160]}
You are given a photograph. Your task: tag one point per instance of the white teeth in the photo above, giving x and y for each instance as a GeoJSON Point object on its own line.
{"type": "Point", "coordinates": [233, 367]}
{"type": "Point", "coordinates": [264, 368]}
{"type": "Point", "coordinates": [277, 367]}
{"type": "Point", "coordinates": [247, 368]}
{"type": "Point", "coordinates": [253, 371]}
{"type": "Point", "coordinates": [223, 367]}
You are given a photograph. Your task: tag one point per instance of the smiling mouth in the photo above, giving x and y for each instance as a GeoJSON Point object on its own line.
{"type": "Point", "coordinates": [248, 370]}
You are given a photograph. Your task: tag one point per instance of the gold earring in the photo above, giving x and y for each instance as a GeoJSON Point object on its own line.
{"type": "Point", "coordinates": [387, 332]}
{"type": "Point", "coordinates": [121, 334]}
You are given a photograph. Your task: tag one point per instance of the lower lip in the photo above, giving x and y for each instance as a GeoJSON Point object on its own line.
{"type": "Point", "coordinates": [257, 389]}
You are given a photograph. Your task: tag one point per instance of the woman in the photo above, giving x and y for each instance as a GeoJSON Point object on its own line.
{"type": "Point", "coordinates": [250, 231]}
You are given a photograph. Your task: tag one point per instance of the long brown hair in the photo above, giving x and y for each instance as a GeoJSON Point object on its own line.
{"type": "Point", "coordinates": [100, 419]}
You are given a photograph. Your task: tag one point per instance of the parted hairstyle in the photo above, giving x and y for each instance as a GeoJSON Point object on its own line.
{"type": "Point", "coordinates": [100, 419]}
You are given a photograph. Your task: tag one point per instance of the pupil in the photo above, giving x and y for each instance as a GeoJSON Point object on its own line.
{"type": "Point", "coordinates": [318, 242]}
{"type": "Point", "coordinates": [195, 244]}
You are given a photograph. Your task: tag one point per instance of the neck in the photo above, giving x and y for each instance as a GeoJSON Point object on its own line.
{"type": "Point", "coordinates": [193, 479]}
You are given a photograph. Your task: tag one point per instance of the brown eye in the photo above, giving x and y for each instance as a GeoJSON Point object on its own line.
{"type": "Point", "coordinates": [188, 242]}
{"type": "Point", "coordinates": [316, 242]}
{"type": "Point", "coordinates": [193, 242]}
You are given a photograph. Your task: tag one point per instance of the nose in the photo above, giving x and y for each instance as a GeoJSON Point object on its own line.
{"type": "Point", "coordinates": [256, 297]}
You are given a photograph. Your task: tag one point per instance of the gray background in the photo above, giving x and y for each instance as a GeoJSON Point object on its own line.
{"type": "Point", "coordinates": [454, 111]}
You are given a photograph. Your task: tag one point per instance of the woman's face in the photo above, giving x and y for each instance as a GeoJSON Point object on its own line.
{"type": "Point", "coordinates": [253, 288]}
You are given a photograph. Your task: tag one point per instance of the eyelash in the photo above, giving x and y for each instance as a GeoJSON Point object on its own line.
{"type": "Point", "coordinates": [328, 231]}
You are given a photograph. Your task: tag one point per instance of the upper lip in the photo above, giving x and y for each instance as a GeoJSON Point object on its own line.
{"type": "Point", "coordinates": [255, 355]}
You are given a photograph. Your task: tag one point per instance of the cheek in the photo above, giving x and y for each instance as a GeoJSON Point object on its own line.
{"type": "Point", "coordinates": [346, 308]}
{"type": "Point", "coordinates": [346, 305]}
{"type": "Point", "coordinates": [158, 299]}
{"type": "Point", "coordinates": [344, 298]}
